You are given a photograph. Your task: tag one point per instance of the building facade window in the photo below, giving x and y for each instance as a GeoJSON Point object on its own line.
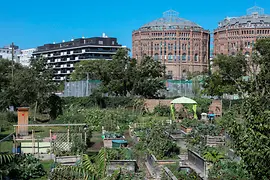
{"type": "Point", "coordinates": [156, 57]}
{"type": "Point", "coordinates": [170, 75]}
{"type": "Point", "coordinates": [184, 57]}
{"type": "Point", "coordinates": [170, 57]}
{"type": "Point", "coordinates": [196, 58]}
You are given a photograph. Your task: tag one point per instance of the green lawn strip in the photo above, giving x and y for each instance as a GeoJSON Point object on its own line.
{"type": "Point", "coordinates": [6, 146]}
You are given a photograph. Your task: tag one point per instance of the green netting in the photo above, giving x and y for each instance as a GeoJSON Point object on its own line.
{"type": "Point", "coordinates": [94, 81]}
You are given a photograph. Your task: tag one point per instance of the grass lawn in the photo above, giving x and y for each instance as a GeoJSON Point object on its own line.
{"type": "Point", "coordinates": [6, 146]}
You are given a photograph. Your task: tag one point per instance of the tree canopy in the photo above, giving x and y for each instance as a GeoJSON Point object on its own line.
{"type": "Point", "coordinates": [123, 76]}
{"type": "Point", "coordinates": [228, 75]}
{"type": "Point", "coordinates": [27, 86]}
{"type": "Point", "coordinates": [250, 132]}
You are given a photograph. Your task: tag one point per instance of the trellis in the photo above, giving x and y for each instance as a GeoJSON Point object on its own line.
{"type": "Point", "coordinates": [59, 140]}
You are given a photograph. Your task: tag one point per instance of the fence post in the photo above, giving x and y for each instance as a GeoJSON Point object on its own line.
{"type": "Point", "coordinates": [68, 135]}
{"type": "Point", "coordinates": [51, 143]}
{"type": "Point", "coordinates": [33, 142]}
{"type": "Point", "coordinates": [14, 144]}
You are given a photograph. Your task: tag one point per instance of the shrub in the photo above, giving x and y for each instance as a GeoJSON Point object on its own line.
{"type": "Point", "coordinates": [109, 118]}
{"type": "Point", "coordinates": [162, 110]}
{"type": "Point", "coordinates": [228, 170]}
{"type": "Point", "coordinates": [158, 143]}
{"type": "Point", "coordinates": [26, 167]}
{"type": "Point", "coordinates": [97, 100]}
{"type": "Point", "coordinates": [119, 154]}
{"type": "Point", "coordinates": [189, 122]}
{"type": "Point", "coordinates": [182, 174]}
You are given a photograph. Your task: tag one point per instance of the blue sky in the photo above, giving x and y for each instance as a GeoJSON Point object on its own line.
{"type": "Point", "coordinates": [34, 23]}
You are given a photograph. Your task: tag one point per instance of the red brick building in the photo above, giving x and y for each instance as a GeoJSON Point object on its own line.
{"type": "Point", "coordinates": [183, 46]}
{"type": "Point", "coordinates": [240, 33]}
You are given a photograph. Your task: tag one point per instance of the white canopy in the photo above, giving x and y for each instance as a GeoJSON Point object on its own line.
{"type": "Point", "coordinates": [183, 100]}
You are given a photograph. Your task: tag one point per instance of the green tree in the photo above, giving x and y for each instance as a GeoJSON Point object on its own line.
{"type": "Point", "coordinates": [122, 71]}
{"type": "Point", "coordinates": [28, 86]}
{"type": "Point", "coordinates": [42, 83]}
{"type": "Point", "coordinates": [227, 77]}
{"type": "Point", "coordinates": [251, 135]}
{"type": "Point", "coordinates": [7, 89]}
{"type": "Point", "coordinates": [122, 75]}
{"type": "Point", "coordinates": [95, 69]}
{"type": "Point", "coordinates": [149, 78]}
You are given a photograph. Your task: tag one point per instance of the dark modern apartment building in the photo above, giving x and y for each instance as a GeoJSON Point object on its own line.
{"type": "Point", "coordinates": [63, 56]}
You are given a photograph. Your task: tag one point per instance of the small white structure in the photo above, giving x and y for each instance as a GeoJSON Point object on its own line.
{"type": "Point", "coordinates": [204, 117]}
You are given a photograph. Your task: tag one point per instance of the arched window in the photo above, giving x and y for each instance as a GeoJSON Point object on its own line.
{"type": "Point", "coordinates": [184, 57]}
{"type": "Point", "coordinates": [247, 54]}
{"type": "Point", "coordinates": [196, 57]}
{"type": "Point", "coordinates": [170, 57]}
{"type": "Point", "coordinates": [184, 74]}
{"type": "Point", "coordinates": [204, 58]}
{"type": "Point", "coordinates": [233, 53]}
{"type": "Point", "coordinates": [156, 57]}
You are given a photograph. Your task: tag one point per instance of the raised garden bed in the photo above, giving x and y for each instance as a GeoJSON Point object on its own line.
{"type": "Point", "coordinates": [186, 129]}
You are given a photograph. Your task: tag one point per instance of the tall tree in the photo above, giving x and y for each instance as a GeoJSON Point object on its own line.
{"type": "Point", "coordinates": [122, 71]}
{"type": "Point", "coordinates": [122, 75]}
{"type": "Point", "coordinates": [251, 136]}
{"type": "Point", "coordinates": [94, 69]}
{"type": "Point", "coordinates": [28, 86]}
{"type": "Point", "coordinates": [149, 78]}
{"type": "Point", "coordinates": [7, 90]}
{"type": "Point", "coordinates": [227, 77]}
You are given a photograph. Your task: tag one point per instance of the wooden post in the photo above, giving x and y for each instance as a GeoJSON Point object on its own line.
{"type": "Point", "coordinates": [16, 130]}
{"type": "Point", "coordinates": [68, 138]}
{"type": "Point", "coordinates": [14, 143]}
{"type": "Point", "coordinates": [33, 142]}
{"type": "Point", "coordinates": [68, 135]}
{"type": "Point", "coordinates": [85, 137]}
{"type": "Point", "coordinates": [51, 143]}
{"type": "Point", "coordinates": [38, 147]}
